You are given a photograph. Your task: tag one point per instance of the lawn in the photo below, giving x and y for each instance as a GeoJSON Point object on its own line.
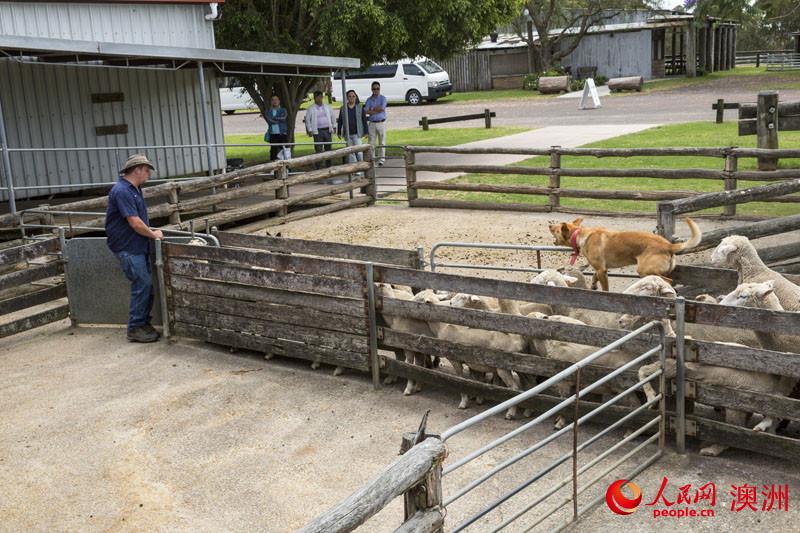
{"type": "Point", "coordinates": [489, 96]}
{"type": "Point", "coordinates": [677, 135]}
{"type": "Point", "coordinates": [766, 80]}
{"type": "Point", "coordinates": [395, 138]}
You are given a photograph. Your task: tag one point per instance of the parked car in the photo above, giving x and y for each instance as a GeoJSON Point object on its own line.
{"type": "Point", "coordinates": [233, 97]}
{"type": "Point", "coordinates": [409, 80]}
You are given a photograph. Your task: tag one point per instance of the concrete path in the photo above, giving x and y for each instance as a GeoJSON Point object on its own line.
{"type": "Point", "coordinates": [566, 136]}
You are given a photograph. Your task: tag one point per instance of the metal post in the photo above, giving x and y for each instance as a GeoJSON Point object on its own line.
{"type": "Point", "coordinates": [12, 200]}
{"type": "Point", "coordinates": [575, 445]}
{"type": "Point", "coordinates": [420, 258]}
{"type": "Point", "coordinates": [203, 95]}
{"type": "Point", "coordinates": [62, 243]}
{"type": "Point", "coordinates": [680, 376]}
{"type": "Point", "coordinates": [662, 382]}
{"type": "Point", "coordinates": [373, 329]}
{"type": "Point", "coordinates": [162, 290]}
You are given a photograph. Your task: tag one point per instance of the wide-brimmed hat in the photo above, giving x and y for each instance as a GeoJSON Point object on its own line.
{"type": "Point", "coordinates": [136, 160]}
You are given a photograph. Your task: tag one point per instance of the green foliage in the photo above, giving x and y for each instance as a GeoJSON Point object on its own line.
{"type": "Point", "coordinates": [531, 81]}
{"type": "Point", "coordinates": [577, 85]}
{"type": "Point", "coordinates": [600, 80]}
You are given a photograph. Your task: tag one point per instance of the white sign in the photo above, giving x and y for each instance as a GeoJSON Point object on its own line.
{"type": "Point", "coordinates": [589, 89]}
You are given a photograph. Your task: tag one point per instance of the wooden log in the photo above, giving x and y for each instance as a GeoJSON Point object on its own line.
{"type": "Point", "coordinates": [34, 298]}
{"type": "Point", "coordinates": [230, 194]}
{"type": "Point", "coordinates": [712, 280]}
{"type": "Point", "coordinates": [751, 194]}
{"type": "Point", "coordinates": [554, 84]}
{"type": "Point", "coordinates": [411, 175]}
{"type": "Point", "coordinates": [271, 312]}
{"type": "Point", "coordinates": [342, 306]}
{"type": "Point", "coordinates": [744, 317]}
{"type": "Point", "coordinates": [679, 173]}
{"type": "Point", "coordinates": [779, 253]}
{"type": "Point", "coordinates": [750, 111]}
{"type": "Point", "coordinates": [767, 126]}
{"type": "Point", "coordinates": [554, 181]}
{"type": "Point", "coordinates": [745, 400]}
{"type": "Point", "coordinates": [783, 123]}
{"type": "Point", "coordinates": [755, 152]}
{"type": "Point", "coordinates": [594, 152]}
{"type": "Point", "coordinates": [629, 83]}
{"type": "Point", "coordinates": [340, 153]}
{"type": "Point", "coordinates": [34, 321]}
{"type": "Point", "coordinates": [266, 278]}
{"type": "Point", "coordinates": [281, 262]}
{"type": "Point", "coordinates": [720, 107]}
{"type": "Point", "coordinates": [405, 472]}
{"type": "Point", "coordinates": [429, 521]}
{"type": "Point", "coordinates": [175, 217]}
{"type": "Point", "coordinates": [233, 215]}
{"type": "Point", "coordinates": [32, 273]}
{"type": "Point", "coordinates": [602, 301]}
{"type": "Point", "coordinates": [746, 438]}
{"type": "Point", "coordinates": [374, 254]}
{"type": "Point", "coordinates": [327, 173]}
{"type": "Point", "coordinates": [264, 328]}
{"type": "Point", "coordinates": [558, 192]}
{"type": "Point", "coordinates": [274, 346]}
{"type": "Point", "coordinates": [27, 252]}
{"type": "Point", "coordinates": [731, 165]}
{"type": "Point", "coordinates": [754, 230]}
{"type": "Point", "coordinates": [490, 206]}
{"type": "Point", "coordinates": [456, 118]}
{"type": "Point", "coordinates": [531, 364]}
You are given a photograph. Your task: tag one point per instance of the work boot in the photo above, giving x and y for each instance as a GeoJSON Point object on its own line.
{"type": "Point", "coordinates": [141, 334]}
{"type": "Point", "coordinates": [150, 329]}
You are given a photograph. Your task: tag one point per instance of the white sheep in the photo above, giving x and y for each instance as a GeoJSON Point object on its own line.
{"type": "Point", "coordinates": [739, 253]}
{"type": "Point", "coordinates": [493, 340]}
{"type": "Point", "coordinates": [570, 278]}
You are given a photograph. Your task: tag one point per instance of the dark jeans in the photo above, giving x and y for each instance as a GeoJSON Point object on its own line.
{"type": "Point", "coordinates": [275, 140]}
{"type": "Point", "coordinates": [323, 136]}
{"type": "Point", "coordinates": [137, 269]}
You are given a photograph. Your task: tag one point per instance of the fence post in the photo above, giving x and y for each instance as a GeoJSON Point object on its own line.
{"type": "Point", "coordinates": [487, 115]}
{"type": "Point", "coordinates": [424, 123]}
{"type": "Point", "coordinates": [374, 363]}
{"type": "Point", "coordinates": [175, 216]}
{"type": "Point", "coordinates": [767, 127]}
{"type": "Point", "coordinates": [162, 289]}
{"type": "Point", "coordinates": [758, 59]}
{"type": "Point", "coordinates": [680, 376]}
{"type": "Point", "coordinates": [411, 176]}
{"type": "Point", "coordinates": [428, 494]}
{"type": "Point", "coordinates": [731, 165]}
{"type": "Point", "coordinates": [665, 223]}
{"type": "Point", "coordinates": [282, 173]}
{"type": "Point", "coordinates": [371, 190]}
{"type": "Point", "coordinates": [555, 177]}
{"type": "Point", "coordinates": [720, 110]}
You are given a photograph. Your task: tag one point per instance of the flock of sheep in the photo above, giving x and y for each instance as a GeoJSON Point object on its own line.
{"type": "Point", "coordinates": [758, 287]}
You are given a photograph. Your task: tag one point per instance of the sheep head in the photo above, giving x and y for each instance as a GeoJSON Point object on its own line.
{"type": "Point", "coordinates": [563, 231]}
{"type": "Point", "coordinates": [760, 295]}
{"type": "Point", "coordinates": [647, 286]}
{"type": "Point", "coordinates": [554, 278]}
{"type": "Point", "coordinates": [729, 249]}
{"type": "Point", "coordinates": [574, 277]}
{"type": "Point", "coordinates": [197, 241]}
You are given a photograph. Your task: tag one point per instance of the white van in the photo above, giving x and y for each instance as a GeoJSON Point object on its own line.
{"type": "Point", "coordinates": [233, 97]}
{"type": "Point", "coordinates": [409, 80]}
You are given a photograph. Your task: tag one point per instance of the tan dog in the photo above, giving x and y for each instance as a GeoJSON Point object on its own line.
{"type": "Point", "coordinates": [604, 249]}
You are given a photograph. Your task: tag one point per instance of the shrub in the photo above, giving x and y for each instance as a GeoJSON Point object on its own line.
{"type": "Point", "coordinates": [600, 80]}
{"type": "Point", "coordinates": [577, 85]}
{"type": "Point", "coordinates": [530, 82]}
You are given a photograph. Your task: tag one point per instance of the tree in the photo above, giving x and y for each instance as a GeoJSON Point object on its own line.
{"type": "Point", "coordinates": [765, 24]}
{"type": "Point", "coordinates": [561, 25]}
{"type": "Point", "coordinates": [370, 30]}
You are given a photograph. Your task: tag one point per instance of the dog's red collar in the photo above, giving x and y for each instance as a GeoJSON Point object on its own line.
{"type": "Point", "coordinates": [573, 240]}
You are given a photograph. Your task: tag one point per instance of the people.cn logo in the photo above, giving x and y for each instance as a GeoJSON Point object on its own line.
{"type": "Point", "coordinates": [618, 502]}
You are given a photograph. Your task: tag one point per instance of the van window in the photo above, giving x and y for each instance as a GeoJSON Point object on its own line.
{"type": "Point", "coordinates": [412, 70]}
{"type": "Point", "coordinates": [373, 72]}
{"type": "Point", "coordinates": [429, 66]}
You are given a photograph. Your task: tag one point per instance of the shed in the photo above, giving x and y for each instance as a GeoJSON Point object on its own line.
{"type": "Point", "coordinates": [84, 85]}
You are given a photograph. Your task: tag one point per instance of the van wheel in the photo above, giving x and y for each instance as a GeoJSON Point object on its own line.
{"type": "Point", "coordinates": [413, 97]}
{"type": "Point", "coordinates": [229, 112]}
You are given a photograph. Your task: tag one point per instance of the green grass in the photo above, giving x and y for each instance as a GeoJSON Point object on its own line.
{"type": "Point", "coordinates": [766, 81]}
{"type": "Point", "coordinates": [677, 135]}
{"type": "Point", "coordinates": [497, 94]}
{"type": "Point", "coordinates": [432, 137]}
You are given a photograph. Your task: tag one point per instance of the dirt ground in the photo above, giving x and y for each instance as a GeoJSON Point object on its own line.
{"type": "Point", "coordinates": [97, 434]}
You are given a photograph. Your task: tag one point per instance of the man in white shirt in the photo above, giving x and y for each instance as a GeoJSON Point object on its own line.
{"type": "Point", "coordinates": [319, 121]}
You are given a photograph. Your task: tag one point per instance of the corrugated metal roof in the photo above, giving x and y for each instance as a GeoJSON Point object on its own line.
{"type": "Point", "coordinates": [71, 51]}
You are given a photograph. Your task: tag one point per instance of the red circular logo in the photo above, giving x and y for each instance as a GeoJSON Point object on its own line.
{"type": "Point", "coordinates": [618, 502]}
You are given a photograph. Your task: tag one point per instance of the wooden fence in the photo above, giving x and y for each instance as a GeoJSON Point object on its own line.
{"type": "Point", "coordinates": [212, 198]}
{"type": "Point", "coordinates": [31, 274]}
{"type": "Point", "coordinates": [729, 175]}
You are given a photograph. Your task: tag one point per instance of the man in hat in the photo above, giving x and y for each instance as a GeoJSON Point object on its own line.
{"type": "Point", "coordinates": [129, 235]}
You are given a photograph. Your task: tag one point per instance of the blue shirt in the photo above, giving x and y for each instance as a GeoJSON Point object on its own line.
{"type": "Point", "coordinates": [126, 200]}
{"type": "Point", "coordinates": [376, 101]}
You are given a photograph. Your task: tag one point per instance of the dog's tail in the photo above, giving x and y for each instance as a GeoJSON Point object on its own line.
{"type": "Point", "coordinates": [693, 241]}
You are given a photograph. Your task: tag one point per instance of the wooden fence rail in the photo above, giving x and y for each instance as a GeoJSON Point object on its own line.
{"type": "Point", "coordinates": [31, 275]}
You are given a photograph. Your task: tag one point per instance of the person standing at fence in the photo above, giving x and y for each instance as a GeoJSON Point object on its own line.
{"type": "Point", "coordinates": [356, 124]}
{"type": "Point", "coordinates": [375, 108]}
{"type": "Point", "coordinates": [319, 121]}
{"type": "Point", "coordinates": [277, 128]}
{"type": "Point", "coordinates": [128, 236]}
